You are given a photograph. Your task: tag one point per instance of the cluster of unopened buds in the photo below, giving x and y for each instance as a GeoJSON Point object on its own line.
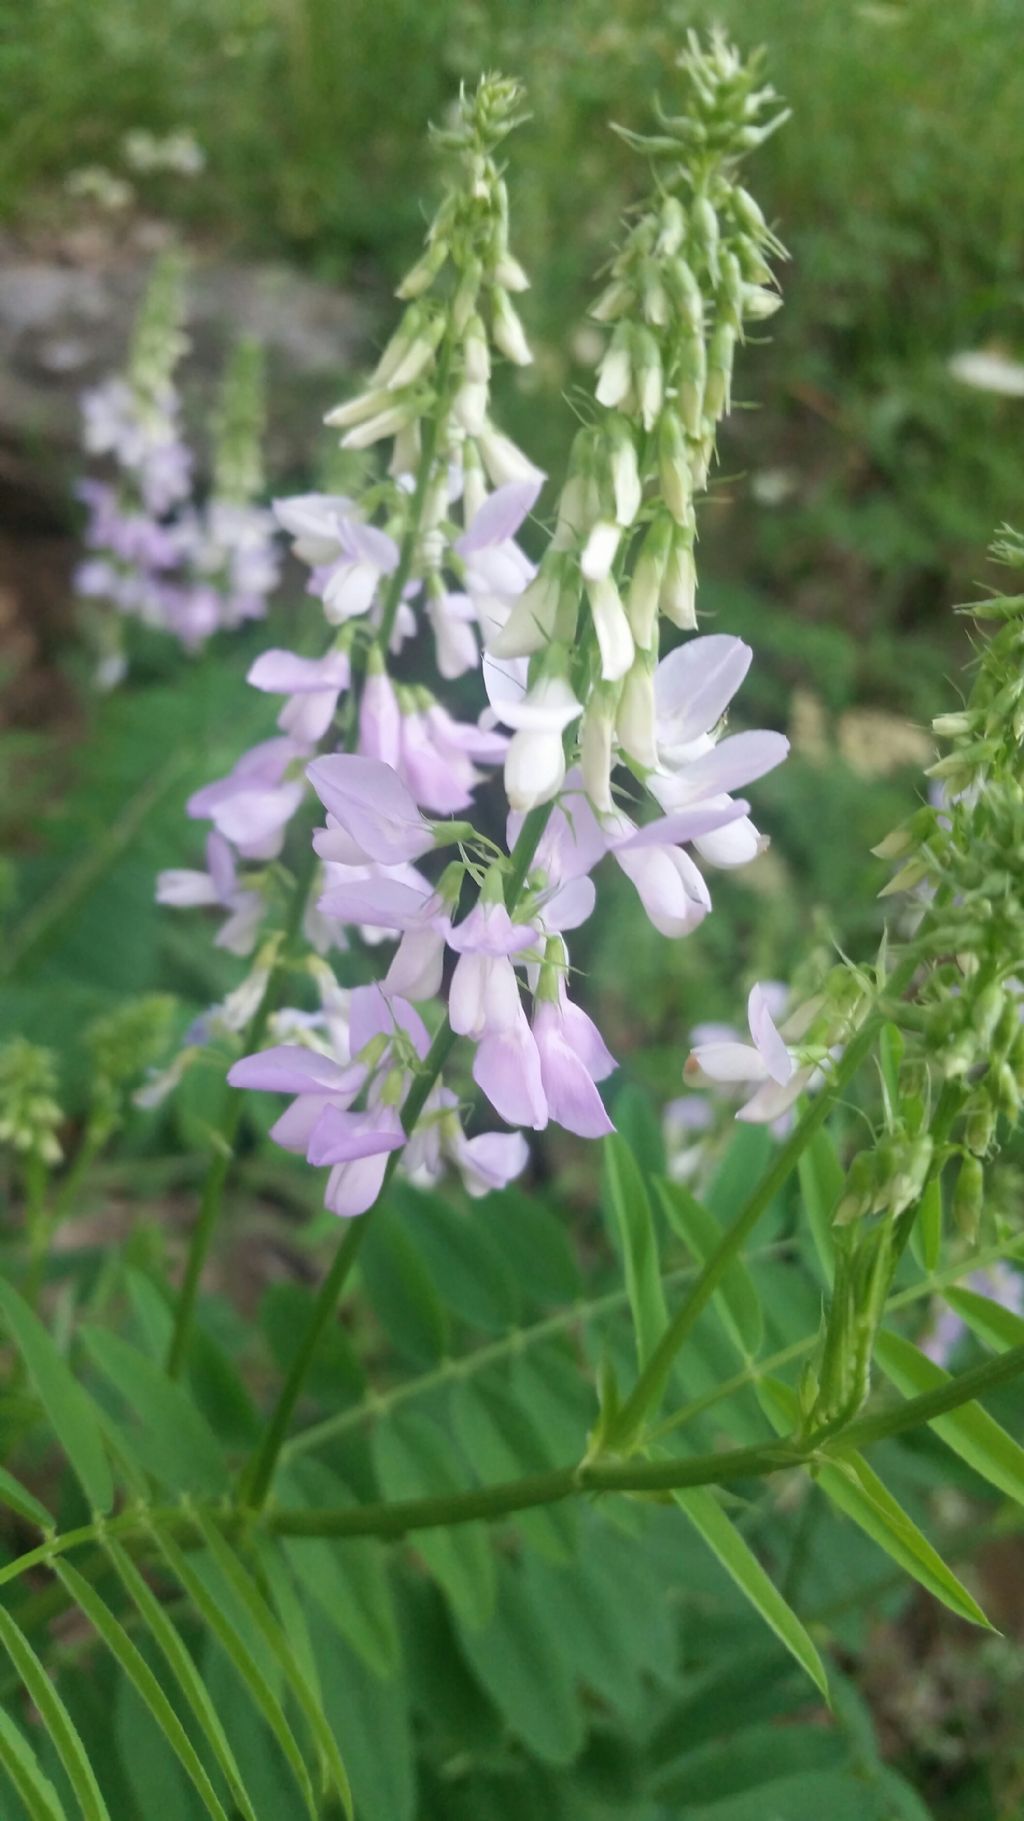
{"type": "Point", "coordinates": [157, 553]}
{"type": "Point", "coordinates": [594, 729]}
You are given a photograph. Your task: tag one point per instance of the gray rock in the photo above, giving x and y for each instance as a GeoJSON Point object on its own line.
{"type": "Point", "coordinates": [66, 314]}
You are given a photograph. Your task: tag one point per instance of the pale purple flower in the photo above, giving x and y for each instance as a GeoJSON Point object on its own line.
{"type": "Point", "coordinates": [452, 617]}
{"type": "Point", "coordinates": [489, 1161]}
{"type": "Point", "coordinates": [253, 805]}
{"type": "Point", "coordinates": [142, 437]}
{"type": "Point", "coordinates": [234, 552]}
{"type": "Point", "coordinates": [312, 686]}
{"type": "Point", "coordinates": [380, 721]}
{"type": "Point", "coordinates": [348, 584]}
{"type": "Point", "coordinates": [436, 756]}
{"type": "Point", "coordinates": [693, 687]}
{"type": "Point", "coordinates": [372, 1013]}
{"type": "Point", "coordinates": [484, 992]}
{"type": "Point", "coordinates": [217, 885]}
{"type": "Point", "coordinates": [668, 883]}
{"type": "Point", "coordinates": [373, 816]}
{"type": "Point", "coordinates": [357, 1146]}
{"type": "Point", "coordinates": [398, 905]}
{"type": "Point", "coordinates": [573, 1058]}
{"type": "Point", "coordinates": [496, 570]}
{"type": "Point", "coordinates": [506, 1068]}
{"type": "Point", "coordinates": [322, 1123]}
{"type": "Point", "coordinates": [571, 846]}
{"type": "Point", "coordinates": [313, 522]}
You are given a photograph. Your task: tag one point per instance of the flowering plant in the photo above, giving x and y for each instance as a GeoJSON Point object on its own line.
{"type": "Point", "coordinates": [184, 565]}
{"type": "Point", "coordinates": [404, 918]}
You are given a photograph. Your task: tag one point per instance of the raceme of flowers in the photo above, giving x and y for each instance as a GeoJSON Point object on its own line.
{"type": "Point", "coordinates": [609, 751]}
{"type": "Point", "coordinates": [183, 565]}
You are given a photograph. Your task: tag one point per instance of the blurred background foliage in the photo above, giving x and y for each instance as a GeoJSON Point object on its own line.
{"type": "Point", "coordinates": [853, 502]}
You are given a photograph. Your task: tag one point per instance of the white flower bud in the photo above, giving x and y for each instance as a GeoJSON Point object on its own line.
{"type": "Point", "coordinates": [356, 410]}
{"type": "Point", "coordinates": [474, 487]}
{"type": "Point", "coordinates": [615, 372]}
{"type": "Point", "coordinates": [679, 588]}
{"type": "Point", "coordinates": [417, 356]}
{"type": "Point", "coordinates": [503, 460]}
{"type": "Point", "coordinates": [648, 377]}
{"type": "Point", "coordinates": [397, 347]}
{"type": "Point", "coordinates": [421, 276]}
{"type": "Point", "coordinates": [466, 293]}
{"type": "Point", "coordinates": [386, 423]}
{"type": "Point", "coordinates": [646, 584]}
{"type": "Point", "coordinates": [625, 472]}
{"type": "Point", "coordinates": [470, 406]}
{"type": "Point", "coordinates": [615, 300]}
{"type": "Point", "coordinates": [691, 380]}
{"type": "Point", "coordinates": [687, 292]}
{"type": "Point", "coordinates": [672, 232]}
{"type": "Point", "coordinates": [705, 224]}
{"type": "Point", "coordinates": [759, 303]}
{"type": "Point", "coordinates": [717, 399]}
{"type": "Point", "coordinates": [655, 297]}
{"type": "Point", "coordinates": [508, 331]}
{"type": "Point", "coordinates": [612, 628]}
{"type": "Point", "coordinates": [596, 749]}
{"type": "Point", "coordinates": [573, 517]}
{"type": "Point", "coordinates": [531, 624]}
{"type": "Point", "coordinates": [599, 550]}
{"type": "Point", "coordinates": [476, 353]}
{"type": "Point", "coordinates": [405, 456]}
{"type": "Point", "coordinates": [674, 468]}
{"type": "Point", "coordinates": [510, 274]}
{"type": "Point", "coordinates": [636, 720]}
{"type": "Point", "coordinates": [748, 213]}
{"type": "Point", "coordinates": [535, 760]}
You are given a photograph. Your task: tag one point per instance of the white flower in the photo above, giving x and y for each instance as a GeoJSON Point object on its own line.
{"type": "Point", "coordinates": [766, 1064]}
{"type": "Point", "coordinates": [612, 628]}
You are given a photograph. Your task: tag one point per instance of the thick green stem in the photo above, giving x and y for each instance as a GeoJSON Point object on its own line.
{"type": "Point", "coordinates": [398, 1519]}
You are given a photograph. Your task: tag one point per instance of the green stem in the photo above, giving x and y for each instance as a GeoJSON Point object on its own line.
{"type": "Point", "coordinates": [397, 1519]}
{"type": "Point", "coordinates": [210, 1204]}
{"type": "Point", "coordinates": [468, 1365]}
{"type": "Point", "coordinates": [257, 1479]}
{"type": "Point", "coordinates": [752, 1374]}
{"type": "Point", "coordinates": [39, 1227]}
{"type": "Point", "coordinates": [650, 1386]}
{"type": "Point", "coordinates": [924, 1409]}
